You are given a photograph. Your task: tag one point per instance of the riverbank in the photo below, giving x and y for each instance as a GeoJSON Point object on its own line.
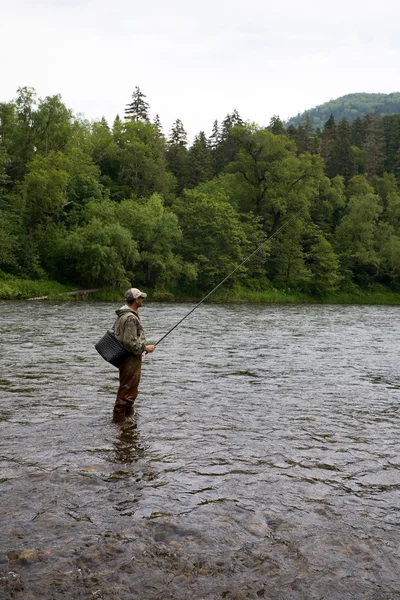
{"type": "Point", "coordinates": [15, 288]}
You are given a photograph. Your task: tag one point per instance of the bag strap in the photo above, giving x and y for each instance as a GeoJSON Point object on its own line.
{"type": "Point", "coordinates": [124, 318]}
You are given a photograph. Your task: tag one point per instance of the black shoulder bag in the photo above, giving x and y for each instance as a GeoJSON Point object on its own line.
{"type": "Point", "coordinates": [111, 349]}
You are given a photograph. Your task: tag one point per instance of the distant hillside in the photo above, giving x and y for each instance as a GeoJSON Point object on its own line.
{"type": "Point", "coordinates": [350, 106]}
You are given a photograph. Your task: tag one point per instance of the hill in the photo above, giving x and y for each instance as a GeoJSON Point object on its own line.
{"type": "Point", "coordinates": [350, 106]}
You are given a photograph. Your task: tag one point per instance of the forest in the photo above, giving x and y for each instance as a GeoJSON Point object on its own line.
{"type": "Point", "coordinates": [350, 106]}
{"type": "Point", "coordinates": [94, 205]}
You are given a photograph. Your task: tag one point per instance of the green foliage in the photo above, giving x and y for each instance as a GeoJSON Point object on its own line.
{"type": "Point", "coordinates": [45, 189]}
{"type": "Point", "coordinates": [177, 155]}
{"type": "Point", "coordinates": [214, 238]}
{"type": "Point", "coordinates": [93, 254]}
{"type": "Point", "coordinates": [354, 236]}
{"type": "Point", "coordinates": [328, 204]}
{"type": "Point", "coordinates": [139, 162]}
{"type": "Point", "coordinates": [95, 205]}
{"type": "Point", "coordinates": [351, 106]}
{"type": "Point", "coordinates": [274, 181]}
{"type": "Point", "coordinates": [200, 164]}
{"type": "Point", "coordinates": [13, 287]}
{"type": "Point", "coordinates": [8, 241]}
{"type": "Point", "coordinates": [157, 233]}
{"type": "Point", "coordinates": [138, 109]}
{"type": "Point", "coordinates": [324, 265]}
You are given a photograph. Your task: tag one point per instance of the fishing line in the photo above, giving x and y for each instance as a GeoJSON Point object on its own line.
{"type": "Point", "coordinates": [230, 274]}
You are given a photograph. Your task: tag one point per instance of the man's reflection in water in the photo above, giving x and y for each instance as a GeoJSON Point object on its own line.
{"type": "Point", "coordinates": [126, 444]}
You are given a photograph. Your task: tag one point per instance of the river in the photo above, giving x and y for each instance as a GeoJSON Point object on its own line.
{"type": "Point", "coordinates": [263, 459]}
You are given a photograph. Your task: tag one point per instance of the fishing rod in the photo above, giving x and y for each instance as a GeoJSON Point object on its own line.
{"type": "Point", "coordinates": [230, 274]}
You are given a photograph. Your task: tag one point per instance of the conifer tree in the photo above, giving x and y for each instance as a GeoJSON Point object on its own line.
{"type": "Point", "coordinates": [157, 122]}
{"type": "Point", "coordinates": [358, 132]}
{"type": "Point", "coordinates": [228, 146]}
{"type": "Point", "coordinates": [374, 148]}
{"type": "Point", "coordinates": [177, 154]}
{"type": "Point", "coordinates": [305, 136]}
{"type": "Point", "coordinates": [200, 161]}
{"type": "Point", "coordinates": [138, 109]}
{"type": "Point", "coordinates": [391, 130]}
{"type": "Point", "coordinates": [215, 135]}
{"type": "Point", "coordinates": [328, 146]}
{"type": "Point", "coordinates": [276, 126]}
{"type": "Point", "coordinates": [344, 160]}
{"type": "Point", "coordinates": [178, 135]}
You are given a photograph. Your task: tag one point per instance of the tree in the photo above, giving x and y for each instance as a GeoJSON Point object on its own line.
{"type": "Point", "coordinates": [387, 189]}
{"type": "Point", "coordinates": [355, 235]}
{"type": "Point", "coordinates": [388, 249]}
{"type": "Point", "coordinates": [358, 132]}
{"type": "Point", "coordinates": [225, 151]}
{"type": "Point", "coordinates": [45, 190]}
{"type": "Point", "coordinates": [213, 236]}
{"type": "Point", "coordinates": [324, 265]}
{"type": "Point", "coordinates": [328, 204]}
{"type": "Point", "coordinates": [287, 267]}
{"type": "Point", "coordinates": [328, 147]}
{"type": "Point", "coordinates": [215, 136]}
{"type": "Point", "coordinates": [138, 109]}
{"type": "Point", "coordinates": [158, 124]}
{"type": "Point", "coordinates": [156, 231]}
{"type": "Point", "coordinates": [103, 149]}
{"type": "Point", "coordinates": [21, 143]}
{"type": "Point", "coordinates": [276, 126]}
{"type": "Point", "coordinates": [272, 180]}
{"type": "Point", "coordinates": [374, 148]}
{"type": "Point", "coordinates": [391, 130]}
{"type": "Point", "coordinates": [53, 127]}
{"type": "Point", "coordinates": [306, 140]}
{"type": "Point", "coordinates": [200, 164]}
{"type": "Point", "coordinates": [177, 155]}
{"type": "Point", "coordinates": [344, 158]}
{"type": "Point", "coordinates": [8, 241]}
{"type": "Point", "coordinates": [97, 253]}
{"type": "Point", "coordinates": [140, 162]}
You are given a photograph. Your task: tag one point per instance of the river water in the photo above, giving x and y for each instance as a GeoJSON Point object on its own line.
{"type": "Point", "coordinates": [263, 460]}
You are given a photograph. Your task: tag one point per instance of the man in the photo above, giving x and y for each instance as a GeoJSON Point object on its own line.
{"type": "Point", "coordinates": [129, 332]}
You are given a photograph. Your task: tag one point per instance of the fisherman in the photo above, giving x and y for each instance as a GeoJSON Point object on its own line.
{"type": "Point", "coordinates": [129, 332]}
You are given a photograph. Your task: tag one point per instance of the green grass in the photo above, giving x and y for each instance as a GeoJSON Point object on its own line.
{"type": "Point", "coordinates": [17, 288]}
{"type": "Point", "coordinates": [378, 296]}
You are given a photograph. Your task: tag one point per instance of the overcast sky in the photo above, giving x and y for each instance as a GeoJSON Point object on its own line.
{"type": "Point", "coordinates": [197, 61]}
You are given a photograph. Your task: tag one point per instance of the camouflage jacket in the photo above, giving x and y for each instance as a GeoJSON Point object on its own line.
{"type": "Point", "coordinates": [129, 330]}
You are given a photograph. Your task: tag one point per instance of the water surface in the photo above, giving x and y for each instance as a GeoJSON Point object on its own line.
{"type": "Point", "coordinates": [262, 462]}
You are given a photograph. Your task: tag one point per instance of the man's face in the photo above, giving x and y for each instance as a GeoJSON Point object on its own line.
{"type": "Point", "coordinates": [139, 301]}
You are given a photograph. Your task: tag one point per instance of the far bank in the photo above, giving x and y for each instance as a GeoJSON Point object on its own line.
{"type": "Point", "coordinates": [16, 288]}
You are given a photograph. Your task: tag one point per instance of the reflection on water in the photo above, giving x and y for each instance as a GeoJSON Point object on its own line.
{"type": "Point", "coordinates": [126, 444]}
{"type": "Point", "coordinates": [262, 460]}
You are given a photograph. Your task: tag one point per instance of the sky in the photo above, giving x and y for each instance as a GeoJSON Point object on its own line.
{"type": "Point", "coordinates": [198, 61]}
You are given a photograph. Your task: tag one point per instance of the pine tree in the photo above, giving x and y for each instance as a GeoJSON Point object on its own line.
{"type": "Point", "coordinates": [215, 136]}
{"type": "Point", "coordinates": [157, 123]}
{"type": "Point", "coordinates": [227, 148]}
{"type": "Point", "coordinates": [177, 155]}
{"type": "Point", "coordinates": [391, 130]}
{"type": "Point", "coordinates": [358, 132]}
{"type": "Point", "coordinates": [375, 148]}
{"type": "Point", "coordinates": [138, 109]}
{"type": "Point", "coordinates": [178, 135]}
{"type": "Point", "coordinates": [328, 146]}
{"type": "Point", "coordinates": [200, 161]}
{"type": "Point", "coordinates": [344, 159]}
{"type": "Point", "coordinates": [276, 126]}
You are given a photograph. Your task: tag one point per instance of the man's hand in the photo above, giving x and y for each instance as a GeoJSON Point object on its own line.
{"type": "Point", "coordinates": [150, 348]}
